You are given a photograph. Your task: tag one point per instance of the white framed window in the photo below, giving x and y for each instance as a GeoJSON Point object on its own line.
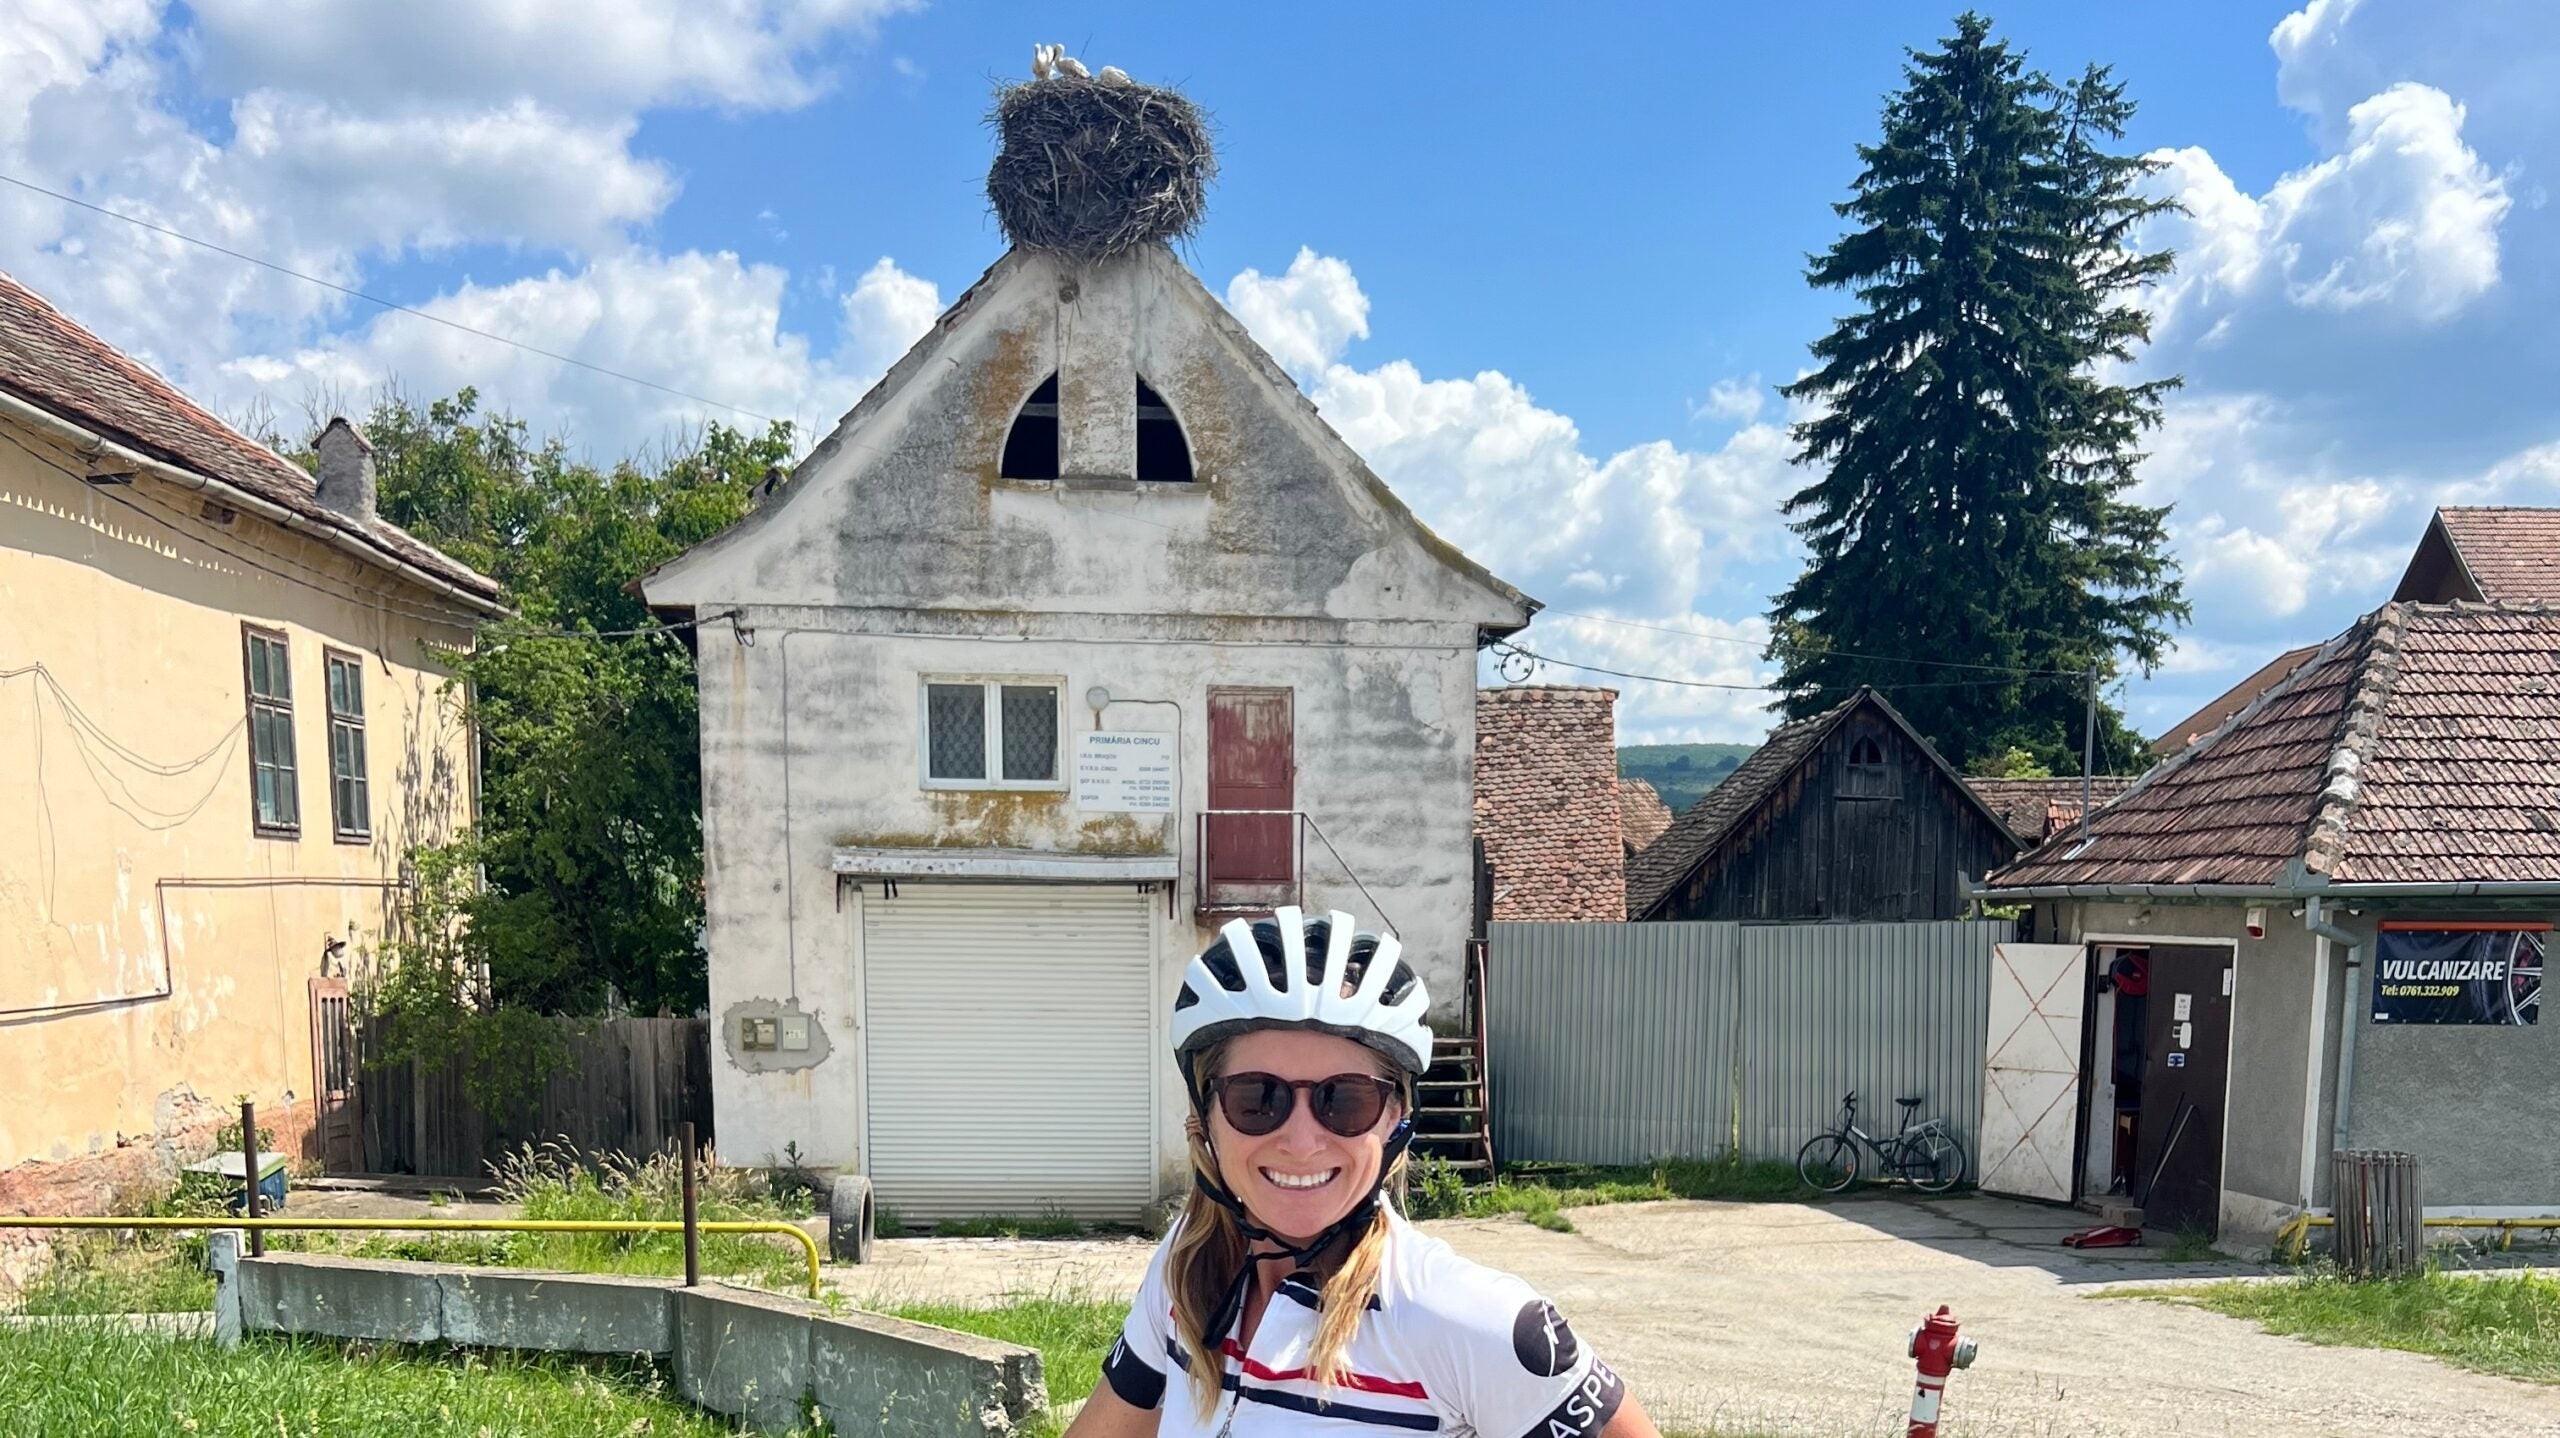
{"type": "Point", "coordinates": [997, 731]}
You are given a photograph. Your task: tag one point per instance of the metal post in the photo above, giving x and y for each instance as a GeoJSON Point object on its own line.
{"type": "Point", "coordinates": [2088, 749]}
{"type": "Point", "coordinates": [692, 1238]}
{"type": "Point", "coordinates": [251, 1206]}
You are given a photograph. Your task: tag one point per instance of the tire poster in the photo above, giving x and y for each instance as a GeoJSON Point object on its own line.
{"type": "Point", "coordinates": [2459, 973]}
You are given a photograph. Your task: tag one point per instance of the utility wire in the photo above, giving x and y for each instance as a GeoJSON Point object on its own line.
{"type": "Point", "coordinates": [1740, 688]}
{"type": "Point", "coordinates": [1828, 653]}
{"type": "Point", "coordinates": [159, 229]}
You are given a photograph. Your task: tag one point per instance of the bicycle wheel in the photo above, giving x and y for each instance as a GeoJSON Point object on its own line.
{"type": "Point", "coordinates": [1934, 1162]}
{"type": "Point", "coordinates": [1827, 1163]}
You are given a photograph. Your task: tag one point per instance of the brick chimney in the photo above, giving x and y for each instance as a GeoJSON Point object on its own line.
{"type": "Point", "coordinates": [346, 470]}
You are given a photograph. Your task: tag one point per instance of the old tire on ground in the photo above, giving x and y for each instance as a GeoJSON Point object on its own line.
{"type": "Point", "coordinates": [1827, 1163]}
{"type": "Point", "coordinates": [849, 1219]}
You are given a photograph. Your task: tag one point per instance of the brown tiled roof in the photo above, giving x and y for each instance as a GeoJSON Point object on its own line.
{"type": "Point", "coordinates": [1547, 803]}
{"type": "Point", "coordinates": [50, 362]}
{"type": "Point", "coordinates": [2513, 554]}
{"type": "Point", "coordinates": [2033, 808]}
{"type": "Point", "coordinates": [2232, 700]}
{"type": "Point", "coordinates": [1693, 837]}
{"type": "Point", "coordinates": [1642, 816]}
{"type": "Point", "coordinates": [2417, 747]}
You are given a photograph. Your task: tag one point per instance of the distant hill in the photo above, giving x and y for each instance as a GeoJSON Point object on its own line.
{"type": "Point", "coordinates": [1681, 773]}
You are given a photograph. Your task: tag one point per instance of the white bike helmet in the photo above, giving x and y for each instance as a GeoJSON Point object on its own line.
{"type": "Point", "coordinates": [1293, 972]}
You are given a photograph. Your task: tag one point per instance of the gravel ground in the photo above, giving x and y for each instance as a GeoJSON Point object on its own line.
{"type": "Point", "coordinates": [1791, 1319]}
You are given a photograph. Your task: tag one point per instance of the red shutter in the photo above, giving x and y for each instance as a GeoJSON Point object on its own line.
{"type": "Point", "coordinates": [1252, 858]}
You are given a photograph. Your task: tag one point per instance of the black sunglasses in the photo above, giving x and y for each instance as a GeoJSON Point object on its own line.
{"type": "Point", "coordinates": [1348, 1105]}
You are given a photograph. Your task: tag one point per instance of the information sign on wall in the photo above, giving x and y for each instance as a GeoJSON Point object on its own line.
{"type": "Point", "coordinates": [1125, 772]}
{"type": "Point", "coordinates": [2459, 973]}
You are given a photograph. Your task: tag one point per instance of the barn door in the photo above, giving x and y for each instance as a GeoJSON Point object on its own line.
{"type": "Point", "coordinates": [335, 1120]}
{"type": "Point", "coordinates": [1252, 857]}
{"type": "Point", "coordinates": [2031, 1073]}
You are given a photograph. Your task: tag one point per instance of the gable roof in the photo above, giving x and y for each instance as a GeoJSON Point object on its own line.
{"type": "Point", "coordinates": [2511, 555]}
{"type": "Point", "coordinates": [2034, 808]}
{"type": "Point", "coordinates": [1693, 838]}
{"type": "Point", "coordinates": [923, 355]}
{"type": "Point", "coordinates": [50, 363]}
{"type": "Point", "coordinates": [1547, 803]}
{"type": "Point", "coordinates": [2416, 747]}
{"type": "Point", "coordinates": [1642, 816]}
{"type": "Point", "coordinates": [2231, 701]}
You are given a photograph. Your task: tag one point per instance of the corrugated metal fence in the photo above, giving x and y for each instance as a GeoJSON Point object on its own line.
{"type": "Point", "coordinates": [1618, 1043]}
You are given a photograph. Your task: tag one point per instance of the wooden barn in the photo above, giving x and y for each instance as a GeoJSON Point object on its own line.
{"type": "Point", "coordinates": [1848, 814]}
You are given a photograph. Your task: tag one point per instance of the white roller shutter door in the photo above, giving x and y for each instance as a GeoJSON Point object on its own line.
{"type": "Point", "coordinates": [1011, 1049]}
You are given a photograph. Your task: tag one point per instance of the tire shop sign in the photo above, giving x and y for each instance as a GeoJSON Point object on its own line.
{"type": "Point", "coordinates": [2449, 973]}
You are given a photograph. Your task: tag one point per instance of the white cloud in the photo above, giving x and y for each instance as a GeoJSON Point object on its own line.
{"type": "Point", "coordinates": [2404, 219]}
{"type": "Point", "coordinates": [613, 55]}
{"type": "Point", "coordinates": [1649, 534]}
{"type": "Point", "coordinates": [1737, 401]}
{"type": "Point", "coordinates": [885, 312]}
{"type": "Point", "coordinates": [1306, 317]}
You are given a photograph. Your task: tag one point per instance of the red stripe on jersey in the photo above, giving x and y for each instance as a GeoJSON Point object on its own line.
{"type": "Point", "coordinates": [1359, 1382]}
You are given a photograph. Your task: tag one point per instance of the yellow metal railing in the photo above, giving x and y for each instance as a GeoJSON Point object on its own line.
{"type": "Point", "coordinates": [2296, 1235]}
{"type": "Point", "coordinates": [808, 1245]}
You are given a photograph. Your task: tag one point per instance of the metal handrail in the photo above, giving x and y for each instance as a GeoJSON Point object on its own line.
{"type": "Point", "coordinates": [2296, 1234]}
{"type": "Point", "coordinates": [1305, 824]}
{"type": "Point", "coordinates": [809, 1246]}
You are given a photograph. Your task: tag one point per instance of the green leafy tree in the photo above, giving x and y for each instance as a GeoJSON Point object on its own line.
{"type": "Point", "coordinates": [588, 847]}
{"type": "Point", "coordinates": [1977, 435]}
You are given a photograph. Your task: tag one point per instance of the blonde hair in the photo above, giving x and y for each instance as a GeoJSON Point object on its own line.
{"type": "Point", "coordinates": [1209, 1250]}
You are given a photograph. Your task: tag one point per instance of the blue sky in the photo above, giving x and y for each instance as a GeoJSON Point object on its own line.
{"type": "Point", "coordinates": [1541, 264]}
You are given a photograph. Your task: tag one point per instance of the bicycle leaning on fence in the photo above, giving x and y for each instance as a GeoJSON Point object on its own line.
{"type": "Point", "coordinates": [1924, 1153]}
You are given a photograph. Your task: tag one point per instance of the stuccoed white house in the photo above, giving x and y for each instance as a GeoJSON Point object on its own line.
{"type": "Point", "coordinates": [1081, 634]}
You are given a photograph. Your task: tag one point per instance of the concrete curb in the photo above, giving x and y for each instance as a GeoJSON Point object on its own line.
{"type": "Point", "coordinates": [756, 1356]}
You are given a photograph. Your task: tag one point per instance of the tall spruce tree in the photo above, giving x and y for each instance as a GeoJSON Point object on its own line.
{"type": "Point", "coordinates": [1978, 437]}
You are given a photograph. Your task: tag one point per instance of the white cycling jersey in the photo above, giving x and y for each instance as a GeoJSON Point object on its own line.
{"type": "Point", "coordinates": [1449, 1346]}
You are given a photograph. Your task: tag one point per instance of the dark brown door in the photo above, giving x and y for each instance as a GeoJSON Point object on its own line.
{"type": "Point", "coordinates": [1252, 856]}
{"type": "Point", "coordinates": [333, 1078]}
{"type": "Point", "coordinates": [2186, 1074]}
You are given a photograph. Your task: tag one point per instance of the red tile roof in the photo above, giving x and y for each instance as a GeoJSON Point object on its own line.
{"type": "Point", "coordinates": [2513, 554]}
{"type": "Point", "coordinates": [1642, 816]}
{"type": "Point", "coordinates": [50, 362]}
{"type": "Point", "coordinates": [1547, 803]}
{"type": "Point", "coordinates": [2209, 718]}
{"type": "Point", "coordinates": [2421, 746]}
{"type": "Point", "coordinates": [2034, 808]}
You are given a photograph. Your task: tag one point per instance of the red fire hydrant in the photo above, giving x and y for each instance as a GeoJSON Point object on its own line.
{"type": "Point", "coordinates": [1940, 1352]}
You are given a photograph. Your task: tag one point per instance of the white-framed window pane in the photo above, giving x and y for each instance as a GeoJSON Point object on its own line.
{"type": "Point", "coordinates": [1030, 733]}
{"type": "Point", "coordinates": [955, 731]}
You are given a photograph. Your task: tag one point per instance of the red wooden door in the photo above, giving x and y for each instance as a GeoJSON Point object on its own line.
{"type": "Point", "coordinates": [1252, 858]}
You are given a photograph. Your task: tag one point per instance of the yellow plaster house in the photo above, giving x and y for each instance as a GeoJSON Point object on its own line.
{"type": "Point", "coordinates": [222, 722]}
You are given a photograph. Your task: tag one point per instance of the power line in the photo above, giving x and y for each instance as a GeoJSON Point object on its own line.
{"type": "Point", "coordinates": [1737, 688]}
{"type": "Point", "coordinates": [1828, 653]}
{"type": "Point", "coordinates": [159, 229]}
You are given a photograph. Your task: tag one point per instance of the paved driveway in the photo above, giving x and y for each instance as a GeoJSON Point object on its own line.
{"type": "Point", "coordinates": [1791, 1319]}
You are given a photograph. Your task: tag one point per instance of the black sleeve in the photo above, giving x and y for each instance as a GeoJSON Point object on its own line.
{"type": "Point", "coordinates": [1138, 1384]}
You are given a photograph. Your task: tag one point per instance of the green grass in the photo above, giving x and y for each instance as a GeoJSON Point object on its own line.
{"type": "Point", "coordinates": [1071, 1332]}
{"type": "Point", "coordinates": [112, 1273]}
{"type": "Point", "coordinates": [96, 1381]}
{"type": "Point", "coordinates": [1540, 1193]}
{"type": "Point", "coordinates": [2506, 1324]}
{"type": "Point", "coordinates": [1052, 1225]}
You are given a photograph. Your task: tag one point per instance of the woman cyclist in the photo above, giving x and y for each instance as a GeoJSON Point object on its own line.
{"type": "Point", "coordinates": [1289, 1301]}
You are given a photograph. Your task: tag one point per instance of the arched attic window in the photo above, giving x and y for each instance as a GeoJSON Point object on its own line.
{"type": "Point", "coordinates": [1031, 447]}
{"type": "Point", "coordinates": [1867, 776]}
{"type": "Point", "coordinates": [1164, 456]}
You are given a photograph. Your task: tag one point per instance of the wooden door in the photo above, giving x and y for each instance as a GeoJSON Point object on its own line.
{"type": "Point", "coordinates": [2186, 1072]}
{"type": "Point", "coordinates": [336, 1123]}
{"type": "Point", "coordinates": [1251, 861]}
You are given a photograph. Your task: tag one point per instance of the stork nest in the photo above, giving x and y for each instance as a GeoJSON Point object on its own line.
{"type": "Point", "coordinates": [1094, 170]}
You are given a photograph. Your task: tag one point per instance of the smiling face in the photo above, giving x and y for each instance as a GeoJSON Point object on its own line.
{"type": "Point", "coordinates": [1300, 1178]}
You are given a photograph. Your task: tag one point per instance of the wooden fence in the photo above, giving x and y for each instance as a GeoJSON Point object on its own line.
{"type": "Point", "coordinates": [628, 1084]}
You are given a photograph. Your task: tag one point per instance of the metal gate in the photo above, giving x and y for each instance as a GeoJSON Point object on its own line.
{"type": "Point", "coordinates": [1622, 1043]}
{"type": "Point", "coordinates": [2031, 1072]}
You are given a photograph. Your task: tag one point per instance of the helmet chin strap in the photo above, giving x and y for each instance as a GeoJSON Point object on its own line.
{"type": "Point", "coordinates": [1231, 1310]}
